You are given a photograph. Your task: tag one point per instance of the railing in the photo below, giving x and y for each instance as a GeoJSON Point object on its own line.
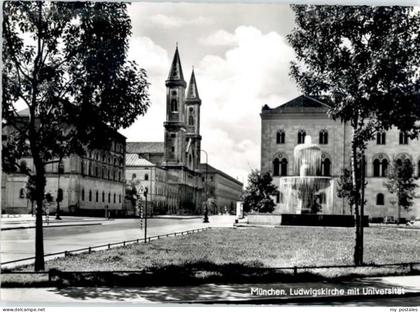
{"type": "Point", "coordinates": [109, 245]}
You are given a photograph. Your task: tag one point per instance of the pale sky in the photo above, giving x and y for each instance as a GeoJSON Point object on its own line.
{"type": "Point", "coordinates": [241, 59]}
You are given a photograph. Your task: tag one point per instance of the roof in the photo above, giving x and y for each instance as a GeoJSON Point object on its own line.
{"type": "Point", "coordinates": [175, 73]}
{"type": "Point", "coordinates": [192, 92]}
{"type": "Point", "coordinates": [299, 104]}
{"type": "Point", "coordinates": [133, 160]}
{"type": "Point", "coordinates": [211, 169]}
{"type": "Point", "coordinates": [145, 147]}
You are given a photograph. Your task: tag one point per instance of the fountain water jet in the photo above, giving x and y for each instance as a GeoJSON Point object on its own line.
{"type": "Point", "coordinates": [302, 194]}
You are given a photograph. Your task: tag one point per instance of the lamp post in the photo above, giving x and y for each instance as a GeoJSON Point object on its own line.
{"type": "Point", "coordinates": [206, 211]}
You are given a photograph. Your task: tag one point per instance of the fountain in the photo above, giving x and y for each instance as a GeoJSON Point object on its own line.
{"type": "Point", "coordinates": [302, 194]}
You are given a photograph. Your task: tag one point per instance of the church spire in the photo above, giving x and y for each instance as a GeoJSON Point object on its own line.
{"type": "Point", "coordinates": [192, 92]}
{"type": "Point", "coordinates": [175, 73]}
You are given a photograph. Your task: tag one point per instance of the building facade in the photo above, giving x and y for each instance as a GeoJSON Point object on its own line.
{"type": "Point", "coordinates": [92, 184]}
{"type": "Point", "coordinates": [174, 169]}
{"type": "Point", "coordinates": [285, 126]}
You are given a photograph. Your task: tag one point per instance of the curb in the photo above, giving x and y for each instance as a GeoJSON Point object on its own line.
{"type": "Point", "coordinates": [47, 226]}
{"type": "Point", "coordinates": [297, 299]}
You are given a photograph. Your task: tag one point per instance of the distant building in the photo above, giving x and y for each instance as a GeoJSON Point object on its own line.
{"type": "Point", "coordinates": [173, 170]}
{"type": "Point", "coordinates": [91, 185]}
{"type": "Point", "coordinates": [285, 126]}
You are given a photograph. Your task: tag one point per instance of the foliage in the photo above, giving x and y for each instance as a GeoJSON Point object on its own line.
{"type": "Point", "coordinates": [364, 62]}
{"type": "Point", "coordinates": [400, 181]}
{"type": "Point", "coordinates": [66, 62]}
{"type": "Point", "coordinates": [256, 196]}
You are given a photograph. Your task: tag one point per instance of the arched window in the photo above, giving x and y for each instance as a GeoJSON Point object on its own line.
{"type": "Point", "coordinates": [376, 167]}
{"type": "Point", "coordinates": [83, 194]}
{"type": "Point", "coordinates": [301, 137]}
{"type": "Point", "coordinates": [403, 138]}
{"type": "Point", "coordinates": [380, 199]}
{"type": "Point", "coordinates": [90, 195]}
{"type": "Point", "coordinates": [283, 167]}
{"type": "Point", "coordinates": [323, 137]}
{"type": "Point", "coordinates": [174, 105]}
{"type": "Point", "coordinates": [146, 177]}
{"type": "Point", "coordinates": [280, 137]}
{"type": "Point", "coordinates": [276, 167]}
{"type": "Point", "coordinates": [381, 138]}
{"type": "Point", "coordinates": [326, 167]}
{"type": "Point", "coordinates": [384, 169]}
{"type": "Point", "coordinates": [22, 193]}
{"type": "Point", "coordinates": [191, 120]}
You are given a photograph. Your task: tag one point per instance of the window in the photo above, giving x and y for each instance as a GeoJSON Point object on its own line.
{"type": "Point", "coordinates": [326, 167]}
{"type": "Point", "coordinates": [146, 177]}
{"type": "Point", "coordinates": [380, 199]}
{"type": "Point", "coordinates": [109, 197]}
{"type": "Point", "coordinates": [133, 176]}
{"type": "Point", "coordinates": [280, 137]}
{"type": "Point", "coordinates": [381, 138]}
{"type": "Point", "coordinates": [23, 166]}
{"type": "Point", "coordinates": [22, 193]}
{"type": "Point", "coordinates": [97, 196]}
{"type": "Point", "coordinates": [322, 198]}
{"type": "Point", "coordinates": [96, 171]}
{"type": "Point", "coordinates": [173, 149]}
{"type": "Point", "coordinates": [403, 138]}
{"type": "Point", "coordinates": [90, 195]}
{"type": "Point", "coordinates": [119, 198]}
{"type": "Point", "coordinates": [90, 168]}
{"type": "Point", "coordinates": [380, 168]}
{"type": "Point", "coordinates": [103, 196]}
{"type": "Point", "coordinates": [276, 167]}
{"type": "Point", "coordinates": [83, 194]}
{"type": "Point", "coordinates": [82, 167]}
{"type": "Point", "coordinates": [174, 105]}
{"type": "Point", "coordinates": [115, 198]}
{"type": "Point", "coordinates": [278, 197]}
{"type": "Point", "coordinates": [323, 137]}
{"type": "Point", "coordinates": [301, 136]}
{"type": "Point", "coordinates": [191, 120]}
{"type": "Point", "coordinates": [283, 167]}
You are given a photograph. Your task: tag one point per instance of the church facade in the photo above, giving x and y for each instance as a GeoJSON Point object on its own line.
{"type": "Point", "coordinates": [181, 188]}
{"type": "Point", "coordinates": [285, 126]}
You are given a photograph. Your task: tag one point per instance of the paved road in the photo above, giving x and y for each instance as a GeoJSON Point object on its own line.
{"type": "Point", "coordinates": [18, 244]}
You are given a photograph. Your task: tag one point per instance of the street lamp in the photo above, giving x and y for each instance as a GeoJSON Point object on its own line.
{"type": "Point", "coordinates": [206, 211]}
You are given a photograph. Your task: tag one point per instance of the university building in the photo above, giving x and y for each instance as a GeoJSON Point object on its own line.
{"type": "Point", "coordinates": [172, 169]}
{"type": "Point", "coordinates": [91, 185]}
{"type": "Point", "coordinates": [285, 126]}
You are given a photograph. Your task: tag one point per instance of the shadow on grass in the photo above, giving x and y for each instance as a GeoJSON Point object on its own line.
{"type": "Point", "coordinates": [194, 273]}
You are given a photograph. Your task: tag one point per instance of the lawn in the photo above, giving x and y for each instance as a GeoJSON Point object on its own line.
{"type": "Point", "coordinates": [254, 247]}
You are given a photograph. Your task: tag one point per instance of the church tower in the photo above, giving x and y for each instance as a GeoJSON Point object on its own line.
{"type": "Point", "coordinates": [192, 107]}
{"type": "Point", "coordinates": [175, 129]}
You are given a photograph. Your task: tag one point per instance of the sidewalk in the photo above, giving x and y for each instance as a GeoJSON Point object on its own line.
{"type": "Point", "coordinates": [25, 221]}
{"type": "Point", "coordinates": [231, 293]}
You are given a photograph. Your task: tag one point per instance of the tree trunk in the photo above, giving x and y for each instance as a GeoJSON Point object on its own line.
{"type": "Point", "coordinates": [362, 204]}
{"type": "Point", "coordinates": [357, 248]}
{"type": "Point", "coordinates": [39, 235]}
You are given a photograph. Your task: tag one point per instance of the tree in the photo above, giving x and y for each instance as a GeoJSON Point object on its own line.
{"type": "Point", "coordinates": [400, 181]}
{"type": "Point", "coordinates": [67, 62]}
{"type": "Point", "coordinates": [256, 196]}
{"type": "Point", "coordinates": [364, 62]}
